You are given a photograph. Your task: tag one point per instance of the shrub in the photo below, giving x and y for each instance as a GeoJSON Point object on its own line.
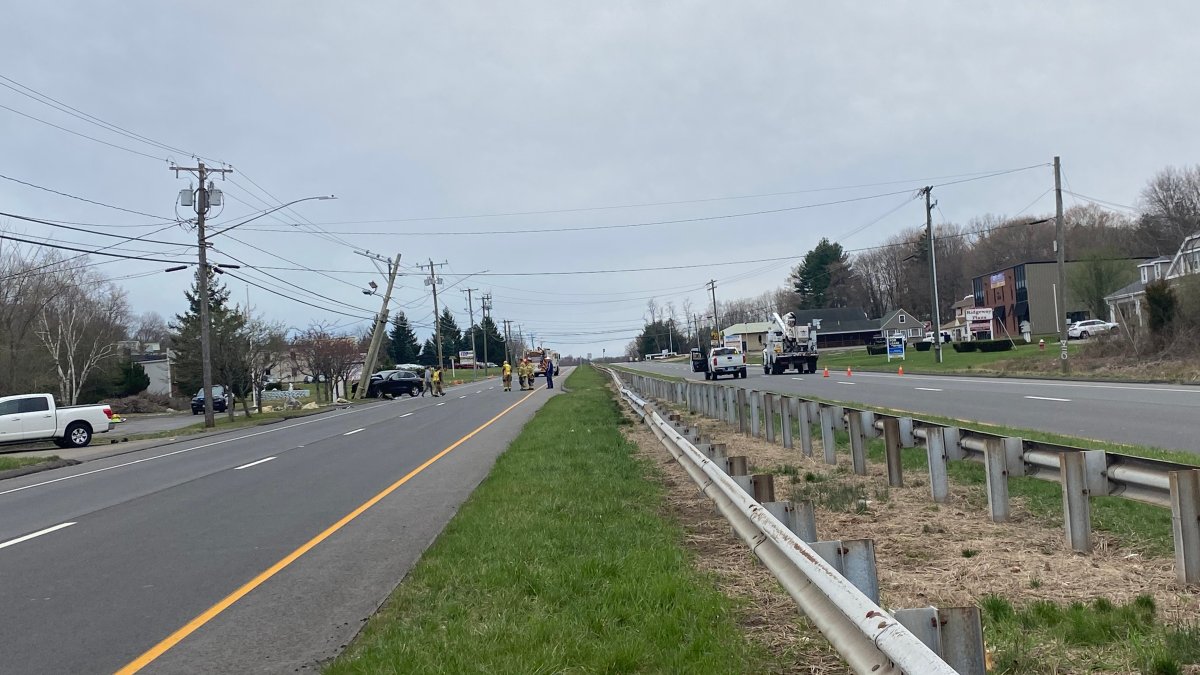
{"type": "Point", "coordinates": [143, 403]}
{"type": "Point", "coordinates": [964, 346]}
{"type": "Point", "coordinates": [993, 345]}
{"type": "Point", "coordinates": [874, 350]}
{"type": "Point", "coordinates": [922, 346]}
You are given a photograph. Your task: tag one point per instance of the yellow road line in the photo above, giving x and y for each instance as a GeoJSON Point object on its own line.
{"type": "Point", "coordinates": [212, 612]}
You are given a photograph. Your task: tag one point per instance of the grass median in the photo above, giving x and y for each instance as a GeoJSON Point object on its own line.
{"type": "Point", "coordinates": [8, 463]}
{"type": "Point", "coordinates": [559, 562]}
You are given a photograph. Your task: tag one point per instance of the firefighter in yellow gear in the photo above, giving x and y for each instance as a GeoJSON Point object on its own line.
{"type": "Point", "coordinates": [525, 371]}
{"type": "Point", "coordinates": [437, 382]}
{"type": "Point", "coordinates": [507, 376]}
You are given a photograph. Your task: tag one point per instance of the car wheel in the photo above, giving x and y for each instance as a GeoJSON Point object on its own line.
{"type": "Point", "coordinates": [78, 435]}
{"type": "Point", "coordinates": [412, 392]}
{"type": "Point", "coordinates": [1083, 335]}
{"type": "Point", "coordinates": [195, 412]}
{"type": "Point", "coordinates": [743, 373]}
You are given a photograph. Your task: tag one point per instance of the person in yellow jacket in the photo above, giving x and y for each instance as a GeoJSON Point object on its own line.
{"type": "Point", "coordinates": [507, 376]}
{"type": "Point", "coordinates": [525, 371]}
{"type": "Point", "coordinates": [437, 382]}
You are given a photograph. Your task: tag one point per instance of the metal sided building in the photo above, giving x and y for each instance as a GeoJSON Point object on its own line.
{"type": "Point", "coordinates": [1025, 292]}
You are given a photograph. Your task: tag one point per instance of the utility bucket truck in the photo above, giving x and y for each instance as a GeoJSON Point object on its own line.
{"type": "Point", "coordinates": [790, 346]}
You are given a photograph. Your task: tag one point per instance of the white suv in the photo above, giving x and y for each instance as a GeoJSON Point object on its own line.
{"type": "Point", "coordinates": [1082, 330]}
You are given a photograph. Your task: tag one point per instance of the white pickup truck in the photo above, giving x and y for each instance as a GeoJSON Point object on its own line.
{"type": "Point", "coordinates": [726, 361]}
{"type": "Point", "coordinates": [34, 417]}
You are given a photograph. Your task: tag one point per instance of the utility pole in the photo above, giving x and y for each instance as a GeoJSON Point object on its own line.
{"type": "Point", "coordinates": [380, 326]}
{"type": "Point", "coordinates": [471, 312]}
{"type": "Point", "coordinates": [712, 288]}
{"type": "Point", "coordinates": [201, 201]}
{"type": "Point", "coordinates": [697, 322]}
{"type": "Point", "coordinates": [485, 306]}
{"type": "Point", "coordinates": [507, 339]}
{"type": "Point", "coordinates": [933, 289]}
{"type": "Point", "coordinates": [433, 280]}
{"type": "Point", "coordinates": [1060, 248]}
{"type": "Point", "coordinates": [670, 335]}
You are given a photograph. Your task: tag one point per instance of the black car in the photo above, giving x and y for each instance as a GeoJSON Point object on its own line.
{"type": "Point", "coordinates": [220, 403]}
{"type": "Point", "coordinates": [394, 383]}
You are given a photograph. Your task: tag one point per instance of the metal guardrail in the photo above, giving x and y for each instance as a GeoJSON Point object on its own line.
{"type": "Point", "coordinates": [871, 640]}
{"type": "Point", "coordinates": [1083, 473]}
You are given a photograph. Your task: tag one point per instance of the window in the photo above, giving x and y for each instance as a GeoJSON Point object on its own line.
{"type": "Point", "coordinates": [901, 317]}
{"type": "Point", "coordinates": [1145, 274]}
{"type": "Point", "coordinates": [33, 404]}
{"type": "Point", "coordinates": [915, 332]}
{"type": "Point", "coordinates": [9, 407]}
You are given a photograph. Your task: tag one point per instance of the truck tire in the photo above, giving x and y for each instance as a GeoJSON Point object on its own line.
{"type": "Point", "coordinates": [78, 435]}
{"type": "Point", "coordinates": [743, 372]}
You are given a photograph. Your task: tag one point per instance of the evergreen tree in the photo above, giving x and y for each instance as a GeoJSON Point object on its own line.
{"type": "Point", "coordinates": [185, 333]}
{"type": "Point", "coordinates": [403, 346]}
{"type": "Point", "coordinates": [817, 277]}
{"type": "Point", "coordinates": [428, 355]}
{"type": "Point", "coordinates": [451, 337]}
{"type": "Point", "coordinates": [131, 378]}
{"type": "Point", "coordinates": [495, 341]}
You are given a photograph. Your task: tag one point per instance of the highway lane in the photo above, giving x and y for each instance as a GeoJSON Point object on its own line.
{"type": "Point", "coordinates": [1162, 416]}
{"type": "Point", "coordinates": [158, 542]}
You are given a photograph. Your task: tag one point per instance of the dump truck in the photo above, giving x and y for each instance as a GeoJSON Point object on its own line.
{"type": "Point", "coordinates": [790, 346]}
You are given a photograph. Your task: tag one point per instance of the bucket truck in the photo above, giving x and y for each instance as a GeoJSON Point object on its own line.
{"type": "Point", "coordinates": [790, 346]}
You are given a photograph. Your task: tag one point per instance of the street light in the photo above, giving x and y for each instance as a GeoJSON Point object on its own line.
{"type": "Point", "coordinates": [267, 213]}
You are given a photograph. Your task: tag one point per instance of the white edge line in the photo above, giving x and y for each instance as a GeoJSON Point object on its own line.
{"type": "Point", "coordinates": [461, 397]}
{"type": "Point", "coordinates": [926, 389]}
{"type": "Point", "coordinates": [841, 382]}
{"type": "Point", "coordinates": [319, 418]}
{"type": "Point", "coordinates": [406, 414]}
{"type": "Point", "coordinates": [247, 466]}
{"type": "Point", "coordinates": [351, 433]}
{"type": "Point", "coordinates": [1049, 398]}
{"type": "Point", "coordinates": [39, 533]}
{"type": "Point", "coordinates": [442, 403]}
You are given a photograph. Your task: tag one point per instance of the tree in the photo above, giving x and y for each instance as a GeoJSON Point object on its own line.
{"type": "Point", "coordinates": [325, 356]}
{"type": "Point", "coordinates": [185, 331]}
{"type": "Point", "coordinates": [28, 282]}
{"type": "Point", "coordinates": [402, 346]}
{"type": "Point", "coordinates": [131, 378]}
{"type": "Point", "coordinates": [658, 336]}
{"type": "Point", "coordinates": [428, 355]}
{"type": "Point", "coordinates": [1097, 275]}
{"type": "Point", "coordinates": [825, 266]}
{"type": "Point", "coordinates": [1160, 307]}
{"type": "Point", "coordinates": [149, 327]}
{"type": "Point", "coordinates": [1171, 209]}
{"type": "Point", "coordinates": [486, 334]}
{"type": "Point", "coordinates": [80, 328]}
{"type": "Point", "coordinates": [451, 335]}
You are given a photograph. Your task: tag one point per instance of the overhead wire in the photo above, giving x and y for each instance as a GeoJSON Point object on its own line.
{"type": "Point", "coordinates": [82, 199]}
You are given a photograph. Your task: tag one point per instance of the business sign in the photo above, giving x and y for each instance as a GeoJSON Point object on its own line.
{"type": "Point", "coordinates": [975, 314]}
{"type": "Point", "coordinates": [895, 347]}
{"type": "Point", "coordinates": [734, 341]}
{"type": "Point", "coordinates": [997, 280]}
{"type": "Point", "coordinates": [466, 358]}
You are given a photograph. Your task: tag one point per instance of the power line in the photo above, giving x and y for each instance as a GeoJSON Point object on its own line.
{"type": "Point", "coordinates": [288, 297]}
{"type": "Point", "coordinates": [82, 199]}
{"type": "Point", "coordinates": [90, 252]}
{"type": "Point", "coordinates": [85, 231]}
{"type": "Point", "coordinates": [76, 133]}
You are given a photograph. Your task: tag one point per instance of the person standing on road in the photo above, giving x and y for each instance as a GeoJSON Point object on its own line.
{"type": "Point", "coordinates": [437, 382]}
{"type": "Point", "coordinates": [549, 372]}
{"type": "Point", "coordinates": [507, 377]}
{"type": "Point", "coordinates": [428, 388]}
{"type": "Point", "coordinates": [521, 373]}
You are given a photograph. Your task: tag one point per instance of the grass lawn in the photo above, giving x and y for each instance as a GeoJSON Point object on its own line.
{"type": "Point", "coordinates": [560, 562]}
{"type": "Point", "coordinates": [952, 362]}
{"type": "Point", "coordinates": [7, 463]}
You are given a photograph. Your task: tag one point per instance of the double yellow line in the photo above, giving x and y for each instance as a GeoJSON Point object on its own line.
{"type": "Point", "coordinates": [212, 612]}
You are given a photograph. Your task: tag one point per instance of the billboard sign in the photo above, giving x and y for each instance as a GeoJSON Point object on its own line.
{"type": "Point", "coordinates": [466, 358]}
{"type": "Point", "coordinates": [976, 314]}
{"type": "Point", "coordinates": [997, 280]}
{"type": "Point", "coordinates": [734, 341]}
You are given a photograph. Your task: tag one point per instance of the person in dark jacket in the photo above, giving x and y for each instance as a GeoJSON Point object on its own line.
{"type": "Point", "coordinates": [549, 372]}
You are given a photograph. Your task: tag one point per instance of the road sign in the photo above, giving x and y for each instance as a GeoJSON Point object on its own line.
{"type": "Point", "coordinates": [895, 348]}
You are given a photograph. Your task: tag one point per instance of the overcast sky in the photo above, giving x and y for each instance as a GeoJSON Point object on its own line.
{"type": "Point", "coordinates": [428, 118]}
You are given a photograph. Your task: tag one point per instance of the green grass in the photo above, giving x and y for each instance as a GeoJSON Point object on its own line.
{"type": "Point", "coordinates": [223, 423]}
{"type": "Point", "coordinates": [991, 363]}
{"type": "Point", "coordinates": [7, 463]}
{"type": "Point", "coordinates": [1046, 637]}
{"type": "Point", "coordinates": [560, 562]}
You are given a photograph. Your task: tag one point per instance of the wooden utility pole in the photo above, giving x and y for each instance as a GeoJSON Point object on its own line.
{"type": "Point", "coordinates": [433, 280]}
{"type": "Point", "coordinates": [380, 328]}
{"type": "Point", "coordinates": [933, 289]}
{"type": "Point", "coordinates": [1060, 250]}
{"type": "Point", "coordinates": [201, 203]}
{"type": "Point", "coordinates": [485, 306]}
{"type": "Point", "coordinates": [712, 288]}
{"type": "Point", "coordinates": [507, 339]}
{"type": "Point", "coordinates": [471, 313]}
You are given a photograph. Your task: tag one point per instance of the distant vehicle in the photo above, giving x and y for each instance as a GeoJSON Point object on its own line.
{"type": "Point", "coordinates": [1082, 330]}
{"type": "Point", "coordinates": [699, 361]}
{"type": "Point", "coordinates": [790, 346]}
{"type": "Point", "coordinates": [220, 400]}
{"type": "Point", "coordinates": [395, 383]}
{"type": "Point", "coordinates": [35, 417]}
{"type": "Point", "coordinates": [947, 336]}
{"type": "Point", "coordinates": [726, 361]}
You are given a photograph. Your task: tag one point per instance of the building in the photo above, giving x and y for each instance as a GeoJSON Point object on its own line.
{"type": "Point", "coordinates": [753, 335]}
{"type": "Point", "coordinates": [958, 327]}
{"type": "Point", "coordinates": [1125, 305]}
{"type": "Point", "coordinates": [840, 326]}
{"type": "Point", "coordinates": [901, 322]}
{"type": "Point", "coordinates": [1025, 293]}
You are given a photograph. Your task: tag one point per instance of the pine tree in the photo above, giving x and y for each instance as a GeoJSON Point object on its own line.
{"type": "Point", "coordinates": [403, 346]}
{"type": "Point", "coordinates": [495, 341]}
{"type": "Point", "coordinates": [428, 355]}
{"type": "Point", "coordinates": [131, 378]}
{"type": "Point", "coordinates": [185, 333]}
{"type": "Point", "coordinates": [451, 336]}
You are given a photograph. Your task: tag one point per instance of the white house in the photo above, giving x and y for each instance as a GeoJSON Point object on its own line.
{"type": "Point", "coordinates": [1125, 305]}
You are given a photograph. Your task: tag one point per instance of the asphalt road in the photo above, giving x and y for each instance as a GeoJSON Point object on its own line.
{"type": "Point", "coordinates": [1160, 416]}
{"type": "Point", "coordinates": [104, 560]}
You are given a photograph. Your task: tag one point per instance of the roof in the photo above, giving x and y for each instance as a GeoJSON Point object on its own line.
{"type": "Point", "coordinates": [1131, 289]}
{"type": "Point", "coordinates": [1151, 261]}
{"type": "Point", "coordinates": [893, 314]}
{"type": "Point", "coordinates": [749, 328]}
{"type": "Point", "coordinates": [839, 320]}
{"type": "Point", "coordinates": [966, 303]}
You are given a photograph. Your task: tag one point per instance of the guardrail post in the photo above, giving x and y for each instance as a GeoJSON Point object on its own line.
{"type": "Point", "coordinates": [799, 518]}
{"type": "Point", "coordinates": [827, 437]}
{"type": "Point", "coordinates": [855, 560]}
{"type": "Point", "coordinates": [935, 450]}
{"type": "Point", "coordinates": [717, 453]}
{"type": "Point", "coordinates": [739, 472]}
{"type": "Point", "coordinates": [769, 416]}
{"type": "Point", "coordinates": [804, 421]}
{"type": "Point", "coordinates": [1185, 524]}
{"type": "Point", "coordinates": [763, 487]}
{"type": "Point", "coordinates": [741, 411]}
{"type": "Point", "coordinates": [953, 633]}
{"type": "Point", "coordinates": [1077, 508]}
{"type": "Point", "coordinates": [952, 436]}
{"type": "Point", "coordinates": [754, 404]}
{"type": "Point", "coordinates": [891, 451]}
{"type": "Point", "coordinates": [858, 449]}
{"type": "Point", "coordinates": [995, 461]}
{"type": "Point", "coordinates": [785, 419]}
{"type": "Point", "coordinates": [907, 439]}
{"type": "Point", "coordinates": [868, 424]}
{"type": "Point", "coordinates": [1014, 452]}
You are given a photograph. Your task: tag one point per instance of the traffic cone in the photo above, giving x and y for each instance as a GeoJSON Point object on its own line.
{"type": "Point", "coordinates": [848, 373]}
{"type": "Point", "coordinates": [826, 372]}
{"type": "Point", "coordinates": [901, 371]}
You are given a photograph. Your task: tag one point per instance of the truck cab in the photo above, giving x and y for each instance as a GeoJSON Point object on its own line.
{"type": "Point", "coordinates": [726, 361]}
{"type": "Point", "coordinates": [35, 417]}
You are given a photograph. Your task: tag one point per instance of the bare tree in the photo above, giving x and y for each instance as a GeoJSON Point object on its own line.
{"type": "Point", "coordinates": [79, 328]}
{"type": "Point", "coordinates": [149, 327]}
{"type": "Point", "coordinates": [325, 356]}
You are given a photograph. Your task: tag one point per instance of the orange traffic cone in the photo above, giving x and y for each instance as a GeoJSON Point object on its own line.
{"type": "Point", "coordinates": [826, 372]}
{"type": "Point", "coordinates": [901, 371]}
{"type": "Point", "coordinates": [848, 373]}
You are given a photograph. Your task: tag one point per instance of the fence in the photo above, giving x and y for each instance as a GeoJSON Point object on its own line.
{"type": "Point", "coordinates": [833, 582]}
{"type": "Point", "coordinates": [1083, 473]}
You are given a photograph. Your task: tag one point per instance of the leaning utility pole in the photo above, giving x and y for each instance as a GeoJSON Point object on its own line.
{"type": "Point", "coordinates": [471, 312]}
{"type": "Point", "coordinates": [380, 326]}
{"type": "Point", "coordinates": [712, 287]}
{"type": "Point", "coordinates": [1060, 248]}
{"type": "Point", "coordinates": [485, 306]}
{"type": "Point", "coordinates": [933, 289]}
{"type": "Point", "coordinates": [433, 280]}
{"type": "Point", "coordinates": [201, 203]}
